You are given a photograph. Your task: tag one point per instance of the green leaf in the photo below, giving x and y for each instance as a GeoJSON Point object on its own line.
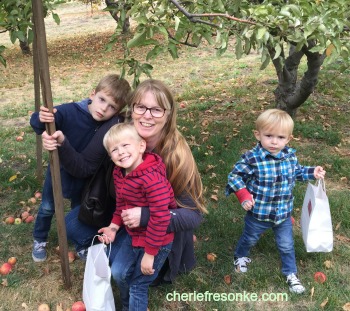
{"type": "Point", "coordinates": [56, 18]}
{"type": "Point", "coordinates": [278, 51]}
{"type": "Point", "coordinates": [238, 48]}
{"type": "Point", "coordinates": [261, 33]}
{"type": "Point", "coordinates": [137, 40]}
{"type": "Point", "coordinates": [172, 48]}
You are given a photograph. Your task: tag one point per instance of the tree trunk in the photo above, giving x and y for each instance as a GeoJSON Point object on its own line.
{"type": "Point", "coordinates": [114, 7]}
{"type": "Point", "coordinates": [25, 48]}
{"type": "Point", "coordinates": [290, 93]}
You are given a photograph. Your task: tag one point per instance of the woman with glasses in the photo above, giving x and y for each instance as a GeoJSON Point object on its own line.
{"type": "Point", "coordinates": [153, 111]}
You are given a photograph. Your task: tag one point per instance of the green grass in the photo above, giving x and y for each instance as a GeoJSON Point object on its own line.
{"type": "Point", "coordinates": [223, 98]}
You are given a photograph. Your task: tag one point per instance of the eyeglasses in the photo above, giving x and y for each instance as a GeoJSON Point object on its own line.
{"type": "Point", "coordinates": [156, 112]}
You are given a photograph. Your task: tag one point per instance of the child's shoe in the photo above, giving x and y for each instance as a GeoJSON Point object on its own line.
{"type": "Point", "coordinates": [241, 264]}
{"type": "Point", "coordinates": [82, 254]}
{"type": "Point", "coordinates": [295, 285]}
{"type": "Point", "coordinates": [39, 251]}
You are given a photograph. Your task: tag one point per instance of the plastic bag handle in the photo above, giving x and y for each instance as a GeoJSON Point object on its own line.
{"type": "Point", "coordinates": [321, 184]}
{"type": "Point", "coordinates": [103, 236]}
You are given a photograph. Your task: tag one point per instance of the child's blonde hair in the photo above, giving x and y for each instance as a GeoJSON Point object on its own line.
{"type": "Point", "coordinates": [275, 118]}
{"type": "Point", "coordinates": [118, 132]}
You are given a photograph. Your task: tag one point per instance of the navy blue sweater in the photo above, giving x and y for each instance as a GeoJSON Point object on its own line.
{"type": "Point", "coordinates": [74, 120]}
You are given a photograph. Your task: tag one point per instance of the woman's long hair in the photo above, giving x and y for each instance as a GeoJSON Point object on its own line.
{"type": "Point", "coordinates": [182, 171]}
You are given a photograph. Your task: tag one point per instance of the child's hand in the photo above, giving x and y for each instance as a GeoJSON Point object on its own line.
{"type": "Point", "coordinates": [319, 172]}
{"type": "Point", "coordinates": [147, 264]}
{"type": "Point", "coordinates": [110, 233]}
{"type": "Point", "coordinates": [45, 116]}
{"type": "Point", "coordinates": [247, 205]}
{"type": "Point", "coordinates": [51, 142]}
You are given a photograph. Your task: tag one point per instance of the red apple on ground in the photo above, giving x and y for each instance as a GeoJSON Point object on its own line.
{"type": "Point", "coordinates": [44, 307]}
{"type": "Point", "coordinates": [320, 277]}
{"type": "Point", "coordinates": [18, 221]}
{"type": "Point", "coordinates": [211, 257]}
{"type": "Point", "coordinates": [32, 200]}
{"type": "Point", "coordinates": [10, 220]}
{"type": "Point", "coordinates": [12, 261]}
{"type": "Point", "coordinates": [78, 306]}
{"type": "Point", "coordinates": [24, 215]}
{"type": "Point", "coordinates": [37, 195]}
{"type": "Point", "coordinates": [29, 219]}
{"type": "Point", "coordinates": [5, 268]}
{"type": "Point", "coordinates": [19, 138]}
{"type": "Point", "coordinates": [71, 256]}
{"type": "Point", "coordinates": [292, 219]}
{"type": "Point", "coordinates": [194, 239]}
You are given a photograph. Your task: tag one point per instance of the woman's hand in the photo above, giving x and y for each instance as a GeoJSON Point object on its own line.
{"type": "Point", "coordinates": [45, 116]}
{"type": "Point", "coordinates": [132, 217]}
{"type": "Point", "coordinates": [51, 142]}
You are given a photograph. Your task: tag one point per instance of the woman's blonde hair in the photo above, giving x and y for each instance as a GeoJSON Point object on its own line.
{"type": "Point", "coordinates": [182, 171]}
{"type": "Point", "coordinates": [275, 118]}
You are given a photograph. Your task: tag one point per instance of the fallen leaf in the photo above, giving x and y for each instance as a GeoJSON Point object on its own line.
{"type": "Point", "coordinates": [312, 292]}
{"type": "Point", "coordinates": [4, 282]}
{"type": "Point", "coordinates": [12, 178]}
{"type": "Point", "coordinates": [214, 197]}
{"type": "Point", "coordinates": [328, 264]}
{"type": "Point", "coordinates": [24, 305]}
{"type": "Point", "coordinates": [346, 307]}
{"type": "Point", "coordinates": [337, 226]}
{"type": "Point", "coordinates": [59, 307]}
{"type": "Point", "coordinates": [342, 238]}
{"type": "Point", "coordinates": [227, 279]}
{"type": "Point", "coordinates": [324, 302]}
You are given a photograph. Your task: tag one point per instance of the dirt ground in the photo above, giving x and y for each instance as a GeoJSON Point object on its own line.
{"type": "Point", "coordinates": [76, 18]}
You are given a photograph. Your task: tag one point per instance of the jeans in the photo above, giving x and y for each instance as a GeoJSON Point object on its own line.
{"type": "Point", "coordinates": [126, 271]}
{"type": "Point", "coordinates": [81, 235]}
{"type": "Point", "coordinates": [283, 232]}
{"type": "Point", "coordinates": [71, 189]}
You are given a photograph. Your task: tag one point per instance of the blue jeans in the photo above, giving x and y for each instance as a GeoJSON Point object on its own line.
{"type": "Point", "coordinates": [126, 271]}
{"type": "Point", "coordinates": [81, 235]}
{"type": "Point", "coordinates": [71, 189]}
{"type": "Point", "coordinates": [254, 228]}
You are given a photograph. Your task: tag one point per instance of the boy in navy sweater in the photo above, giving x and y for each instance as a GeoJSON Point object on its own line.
{"type": "Point", "coordinates": [79, 121]}
{"type": "Point", "coordinates": [139, 180]}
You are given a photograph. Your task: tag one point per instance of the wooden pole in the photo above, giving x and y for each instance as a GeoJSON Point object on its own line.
{"type": "Point", "coordinates": [41, 43]}
{"type": "Point", "coordinates": [39, 144]}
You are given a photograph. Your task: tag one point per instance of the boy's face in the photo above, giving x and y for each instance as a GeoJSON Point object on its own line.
{"type": "Point", "coordinates": [127, 152]}
{"type": "Point", "coordinates": [273, 139]}
{"type": "Point", "coordinates": [102, 107]}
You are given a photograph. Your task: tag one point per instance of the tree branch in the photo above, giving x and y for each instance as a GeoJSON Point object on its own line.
{"type": "Point", "coordinates": [193, 17]}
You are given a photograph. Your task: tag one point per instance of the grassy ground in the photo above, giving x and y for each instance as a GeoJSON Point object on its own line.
{"type": "Point", "coordinates": [222, 98]}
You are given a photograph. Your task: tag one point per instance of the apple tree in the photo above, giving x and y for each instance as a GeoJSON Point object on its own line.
{"type": "Point", "coordinates": [16, 19]}
{"type": "Point", "coordinates": [283, 31]}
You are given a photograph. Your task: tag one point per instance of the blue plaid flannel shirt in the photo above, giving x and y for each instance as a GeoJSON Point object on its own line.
{"type": "Point", "coordinates": [270, 179]}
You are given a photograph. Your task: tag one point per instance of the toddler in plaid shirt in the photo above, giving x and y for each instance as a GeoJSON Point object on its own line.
{"type": "Point", "coordinates": [263, 180]}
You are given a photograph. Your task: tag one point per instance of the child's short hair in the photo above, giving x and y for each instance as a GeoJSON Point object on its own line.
{"type": "Point", "coordinates": [275, 118]}
{"type": "Point", "coordinates": [118, 132]}
{"type": "Point", "coordinates": [116, 87]}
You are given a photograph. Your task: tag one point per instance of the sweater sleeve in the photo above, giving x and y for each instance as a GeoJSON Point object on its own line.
{"type": "Point", "coordinates": [182, 219]}
{"type": "Point", "coordinates": [85, 164]}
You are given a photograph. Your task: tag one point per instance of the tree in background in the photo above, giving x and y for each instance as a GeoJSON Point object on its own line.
{"type": "Point", "coordinates": [16, 19]}
{"type": "Point", "coordinates": [282, 31]}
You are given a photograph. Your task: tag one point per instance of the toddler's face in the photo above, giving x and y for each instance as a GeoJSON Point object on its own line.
{"type": "Point", "coordinates": [273, 139]}
{"type": "Point", "coordinates": [127, 152]}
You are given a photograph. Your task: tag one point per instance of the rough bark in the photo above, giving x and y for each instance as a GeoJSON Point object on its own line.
{"type": "Point", "coordinates": [290, 93]}
{"type": "Point", "coordinates": [114, 5]}
{"type": "Point", "coordinates": [25, 48]}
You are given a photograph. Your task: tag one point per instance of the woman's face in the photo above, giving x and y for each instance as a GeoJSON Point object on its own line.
{"type": "Point", "coordinates": [149, 127]}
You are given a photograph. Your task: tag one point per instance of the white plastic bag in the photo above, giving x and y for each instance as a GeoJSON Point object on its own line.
{"type": "Point", "coordinates": [316, 222]}
{"type": "Point", "coordinates": [97, 289]}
